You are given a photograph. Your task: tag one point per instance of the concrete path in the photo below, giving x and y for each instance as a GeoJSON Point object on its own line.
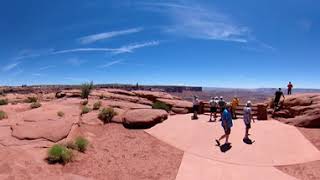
{"type": "Point", "coordinates": [275, 144]}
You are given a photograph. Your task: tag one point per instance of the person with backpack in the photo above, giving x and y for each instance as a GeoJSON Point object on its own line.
{"type": "Point", "coordinates": [247, 117]}
{"type": "Point", "coordinates": [214, 104]}
{"type": "Point", "coordinates": [226, 124]}
{"type": "Point", "coordinates": [235, 104]}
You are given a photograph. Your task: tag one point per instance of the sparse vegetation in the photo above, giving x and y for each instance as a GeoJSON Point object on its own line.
{"type": "Point", "coordinates": [60, 113]}
{"type": "Point", "coordinates": [81, 143]}
{"type": "Point", "coordinates": [86, 89]}
{"type": "Point", "coordinates": [97, 105]}
{"type": "Point", "coordinates": [3, 102]}
{"type": "Point", "coordinates": [71, 145]}
{"type": "Point", "coordinates": [3, 115]}
{"type": "Point", "coordinates": [161, 105]}
{"type": "Point", "coordinates": [59, 154]}
{"type": "Point", "coordinates": [106, 115]}
{"type": "Point", "coordinates": [85, 102]}
{"type": "Point", "coordinates": [85, 110]}
{"type": "Point", "coordinates": [35, 105]}
{"type": "Point", "coordinates": [31, 99]}
{"type": "Point", "coordinates": [101, 96]}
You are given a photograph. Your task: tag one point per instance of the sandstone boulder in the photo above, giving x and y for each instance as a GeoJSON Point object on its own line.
{"type": "Point", "coordinates": [178, 106]}
{"type": "Point", "coordinates": [143, 118]}
{"type": "Point", "coordinates": [153, 95]}
{"type": "Point", "coordinates": [178, 110]}
{"type": "Point", "coordinates": [121, 97]}
{"type": "Point", "coordinates": [301, 110]}
{"type": "Point", "coordinates": [124, 105]}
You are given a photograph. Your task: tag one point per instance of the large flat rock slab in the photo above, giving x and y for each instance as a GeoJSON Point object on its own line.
{"type": "Point", "coordinates": [275, 143]}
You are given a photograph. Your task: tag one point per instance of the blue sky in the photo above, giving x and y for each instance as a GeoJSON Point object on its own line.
{"type": "Point", "coordinates": [185, 42]}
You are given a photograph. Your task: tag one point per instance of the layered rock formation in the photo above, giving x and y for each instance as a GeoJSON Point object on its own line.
{"type": "Point", "coordinates": [301, 110]}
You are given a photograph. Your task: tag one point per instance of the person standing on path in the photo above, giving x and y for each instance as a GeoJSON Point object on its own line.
{"type": "Point", "coordinates": [226, 123]}
{"type": "Point", "coordinates": [235, 104]}
{"type": "Point", "coordinates": [214, 104]}
{"type": "Point", "coordinates": [290, 86]}
{"type": "Point", "coordinates": [247, 117]}
{"type": "Point", "coordinates": [196, 106]}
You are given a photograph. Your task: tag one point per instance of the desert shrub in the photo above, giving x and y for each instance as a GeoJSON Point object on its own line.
{"type": "Point", "coordinates": [101, 96]}
{"type": "Point", "coordinates": [161, 105]}
{"type": "Point", "coordinates": [71, 145]}
{"type": "Point", "coordinates": [81, 143]}
{"type": "Point", "coordinates": [3, 115]}
{"type": "Point", "coordinates": [85, 110]}
{"type": "Point", "coordinates": [60, 113]}
{"type": "Point", "coordinates": [106, 114]}
{"type": "Point", "coordinates": [3, 102]}
{"type": "Point", "coordinates": [31, 99]}
{"type": "Point", "coordinates": [86, 89]}
{"type": "Point", "coordinates": [35, 105]}
{"type": "Point", "coordinates": [85, 102]}
{"type": "Point", "coordinates": [59, 154]}
{"type": "Point", "coordinates": [96, 105]}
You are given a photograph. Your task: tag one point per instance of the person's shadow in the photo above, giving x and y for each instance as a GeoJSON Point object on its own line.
{"type": "Point", "coordinates": [248, 141]}
{"type": "Point", "coordinates": [225, 147]}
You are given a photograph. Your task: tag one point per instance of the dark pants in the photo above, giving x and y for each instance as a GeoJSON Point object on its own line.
{"type": "Point", "coordinates": [289, 91]}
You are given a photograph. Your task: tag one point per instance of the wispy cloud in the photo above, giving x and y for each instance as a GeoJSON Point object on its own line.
{"type": "Point", "coordinates": [37, 74]}
{"type": "Point", "coordinates": [75, 61]}
{"type": "Point", "coordinates": [46, 67]}
{"type": "Point", "coordinates": [111, 64]}
{"type": "Point", "coordinates": [107, 35]}
{"type": "Point", "coordinates": [196, 21]}
{"type": "Point", "coordinates": [28, 53]}
{"type": "Point", "coordinates": [11, 66]}
{"type": "Point", "coordinates": [123, 49]}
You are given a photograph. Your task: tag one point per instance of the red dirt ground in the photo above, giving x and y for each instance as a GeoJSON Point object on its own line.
{"type": "Point", "coordinates": [118, 153]}
{"type": "Point", "coordinates": [310, 170]}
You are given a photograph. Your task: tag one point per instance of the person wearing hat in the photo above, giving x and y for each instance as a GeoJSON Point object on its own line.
{"type": "Point", "coordinates": [196, 105]}
{"type": "Point", "coordinates": [214, 104]}
{"type": "Point", "coordinates": [235, 104]}
{"type": "Point", "coordinates": [222, 105]}
{"type": "Point", "coordinates": [226, 123]}
{"type": "Point", "coordinates": [247, 117]}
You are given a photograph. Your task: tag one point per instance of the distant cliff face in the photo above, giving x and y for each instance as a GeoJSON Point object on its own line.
{"type": "Point", "coordinates": [301, 110]}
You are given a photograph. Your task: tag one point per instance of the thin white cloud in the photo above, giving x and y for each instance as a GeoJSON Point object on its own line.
{"type": "Point", "coordinates": [27, 53]}
{"type": "Point", "coordinates": [111, 63]}
{"type": "Point", "coordinates": [10, 66]}
{"type": "Point", "coordinates": [75, 61]}
{"type": "Point", "coordinates": [37, 74]}
{"type": "Point", "coordinates": [195, 21]}
{"type": "Point", "coordinates": [46, 67]}
{"type": "Point", "coordinates": [123, 49]}
{"type": "Point", "coordinates": [107, 35]}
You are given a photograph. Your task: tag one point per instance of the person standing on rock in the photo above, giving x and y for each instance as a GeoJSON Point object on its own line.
{"type": "Point", "coordinates": [290, 86]}
{"type": "Point", "coordinates": [277, 98]}
{"type": "Point", "coordinates": [247, 117]}
{"type": "Point", "coordinates": [235, 104]}
{"type": "Point", "coordinates": [222, 105]}
{"type": "Point", "coordinates": [214, 104]}
{"type": "Point", "coordinates": [226, 123]}
{"type": "Point", "coordinates": [196, 106]}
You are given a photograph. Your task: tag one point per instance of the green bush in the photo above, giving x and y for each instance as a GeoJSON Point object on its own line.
{"type": "Point", "coordinates": [31, 99]}
{"type": "Point", "coordinates": [106, 115]}
{"type": "Point", "coordinates": [81, 144]}
{"type": "Point", "coordinates": [86, 89]}
{"type": "Point", "coordinates": [85, 110]}
{"type": "Point", "coordinates": [85, 102]}
{"type": "Point", "coordinates": [161, 105]}
{"type": "Point", "coordinates": [71, 145]}
{"type": "Point", "coordinates": [60, 114]}
{"type": "Point", "coordinates": [59, 154]}
{"type": "Point", "coordinates": [96, 105]}
{"type": "Point", "coordinates": [35, 105]}
{"type": "Point", "coordinates": [3, 115]}
{"type": "Point", "coordinates": [3, 102]}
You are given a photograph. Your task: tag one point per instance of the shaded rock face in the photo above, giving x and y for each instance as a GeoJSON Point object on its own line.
{"type": "Point", "coordinates": [143, 118]}
{"type": "Point", "coordinates": [301, 110]}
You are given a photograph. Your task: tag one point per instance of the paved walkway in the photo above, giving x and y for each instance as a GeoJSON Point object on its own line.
{"type": "Point", "coordinates": [275, 144]}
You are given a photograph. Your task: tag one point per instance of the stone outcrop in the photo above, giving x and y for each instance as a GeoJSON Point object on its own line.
{"type": "Point", "coordinates": [143, 118]}
{"type": "Point", "coordinates": [301, 110]}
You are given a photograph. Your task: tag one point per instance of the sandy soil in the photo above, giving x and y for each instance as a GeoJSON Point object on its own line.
{"type": "Point", "coordinates": [310, 170]}
{"type": "Point", "coordinates": [118, 153]}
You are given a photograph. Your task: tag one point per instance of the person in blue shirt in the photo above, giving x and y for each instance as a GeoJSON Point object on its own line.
{"type": "Point", "coordinates": [226, 123]}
